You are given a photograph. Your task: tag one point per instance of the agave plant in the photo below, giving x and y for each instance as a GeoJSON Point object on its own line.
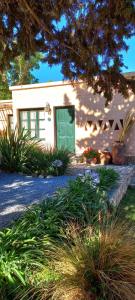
{"type": "Point", "coordinates": [127, 124]}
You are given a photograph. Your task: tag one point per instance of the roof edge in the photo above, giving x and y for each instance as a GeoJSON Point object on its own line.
{"type": "Point", "coordinates": [128, 75]}
{"type": "Point", "coordinates": [6, 101]}
{"type": "Point", "coordinates": [44, 85]}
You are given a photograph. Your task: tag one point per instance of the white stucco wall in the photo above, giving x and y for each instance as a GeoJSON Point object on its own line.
{"type": "Point", "coordinates": [88, 107]}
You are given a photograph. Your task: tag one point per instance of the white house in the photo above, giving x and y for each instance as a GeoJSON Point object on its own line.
{"type": "Point", "coordinates": [64, 115]}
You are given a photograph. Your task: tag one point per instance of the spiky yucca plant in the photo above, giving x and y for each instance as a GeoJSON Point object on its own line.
{"type": "Point", "coordinates": [95, 267]}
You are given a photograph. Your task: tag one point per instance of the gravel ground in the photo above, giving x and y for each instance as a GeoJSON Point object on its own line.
{"type": "Point", "coordinates": [17, 192]}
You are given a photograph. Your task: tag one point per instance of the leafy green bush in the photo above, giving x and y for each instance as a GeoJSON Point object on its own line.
{"type": "Point", "coordinates": [21, 153]}
{"type": "Point", "coordinates": [37, 162]}
{"type": "Point", "coordinates": [21, 252]}
{"type": "Point", "coordinates": [80, 201]}
{"type": "Point", "coordinates": [42, 161]}
{"type": "Point", "coordinates": [108, 178]}
{"type": "Point", "coordinates": [15, 149]}
{"type": "Point", "coordinates": [54, 154]}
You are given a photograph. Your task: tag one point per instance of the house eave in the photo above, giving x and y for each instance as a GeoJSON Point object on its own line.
{"type": "Point", "coordinates": [44, 85]}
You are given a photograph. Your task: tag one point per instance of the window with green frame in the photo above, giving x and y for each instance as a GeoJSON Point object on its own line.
{"type": "Point", "coordinates": [34, 122]}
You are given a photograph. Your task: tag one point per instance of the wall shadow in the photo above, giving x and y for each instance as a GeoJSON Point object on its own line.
{"type": "Point", "coordinates": [96, 124]}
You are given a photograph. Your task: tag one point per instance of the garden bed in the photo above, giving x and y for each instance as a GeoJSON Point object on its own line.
{"type": "Point", "coordinates": [21, 153]}
{"type": "Point", "coordinates": [125, 175]}
{"type": "Point", "coordinates": [58, 242]}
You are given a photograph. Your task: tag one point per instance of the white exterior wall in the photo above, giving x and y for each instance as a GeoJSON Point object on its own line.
{"type": "Point", "coordinates": [56, 96]}
{"type": "Point", "coordinates": [88, 107]}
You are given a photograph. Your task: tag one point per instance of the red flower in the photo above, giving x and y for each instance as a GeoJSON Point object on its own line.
{"type": "Point", "coordinates": [90, 153]}
{"type": "Point", "coordinates": [89, 149]}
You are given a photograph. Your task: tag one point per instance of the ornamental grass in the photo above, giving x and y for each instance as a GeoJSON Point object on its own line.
{"type": "Point", "coordinates": [94, 266]}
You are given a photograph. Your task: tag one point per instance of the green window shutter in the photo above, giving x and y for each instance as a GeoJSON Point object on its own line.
{"type": "Point", "coordinates": [29, 117]}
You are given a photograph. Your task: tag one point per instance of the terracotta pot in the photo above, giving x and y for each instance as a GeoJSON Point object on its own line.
{"type": "Point", "coordinates": [92, 161]}
{"type": "Point", "coordinates": [118, 153]}
{"type": "Point", "coordinates": [105, 158]}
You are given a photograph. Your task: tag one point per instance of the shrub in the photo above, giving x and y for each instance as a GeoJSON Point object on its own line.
{"type": "Point", "coordinates": [79, 201]}
{"type": "Point", "coordinates": [108, 178]}
{"type": "Point", "coordinates": [15, 149]}
{"type": "Point", "coordinates": [54, 154]}
{"type": "Point", "coordinates": [37, 162]}
{"type": "Point", "coordinates": [42, 161]}
{"type": "Point", "coordinates": [21, 153]}
{"type": "Point", "coordinates": [93, 266]}
{"type": "Point", "coordinates": [21, 251]}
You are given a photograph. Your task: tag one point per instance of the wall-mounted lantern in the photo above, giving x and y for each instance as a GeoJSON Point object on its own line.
{"type": "Point", "coordinates": [48, 108]}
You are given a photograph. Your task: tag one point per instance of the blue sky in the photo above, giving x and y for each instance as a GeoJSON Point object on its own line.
{"type": "Point", "coordinates": [45, 73]}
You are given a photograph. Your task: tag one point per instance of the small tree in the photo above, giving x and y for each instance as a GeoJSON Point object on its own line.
{"type": "Point", "coordinates": [19, 72]}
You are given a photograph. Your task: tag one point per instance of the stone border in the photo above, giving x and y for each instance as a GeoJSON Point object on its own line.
{"type": "Point", "coordinates": [125, 172]}
{"type": "Point", "coordinates": [117, 194]}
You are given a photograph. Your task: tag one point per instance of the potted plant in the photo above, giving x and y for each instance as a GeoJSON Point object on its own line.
{"type": "Point", "coordinates": [118, 148]}
{"type": "Point", "coordinates": [91, 155]}
{"type": "Point", "coordinates": [105, 157]}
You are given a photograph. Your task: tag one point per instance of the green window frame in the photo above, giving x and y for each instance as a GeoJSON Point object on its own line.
{"type": "Point", "coordinates": [34, 122]}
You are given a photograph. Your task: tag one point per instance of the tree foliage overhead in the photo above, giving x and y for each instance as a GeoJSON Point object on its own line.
{"type": "Point", "coordinates": [85, 36]}
{"type": "Point", "coordinates": [20, 71]}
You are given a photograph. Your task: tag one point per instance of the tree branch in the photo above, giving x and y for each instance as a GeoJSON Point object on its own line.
{"type": "Point", "coordinates": [42, 25]}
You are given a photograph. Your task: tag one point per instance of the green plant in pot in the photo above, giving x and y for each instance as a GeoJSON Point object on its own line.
{"type": "Point", "coordinates": [118, 148]}
{"type": "Point", "coordinates": [91, 155]}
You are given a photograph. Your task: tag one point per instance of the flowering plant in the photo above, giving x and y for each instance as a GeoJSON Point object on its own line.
{"type": "Point", "coordinates": [90, 153]}
{"type": "Point", "coordinates": [57, 163]}
{"type": "Point", "coordinates": [56, 166]}
{"type": "Point", "coordinates": [91, 175]}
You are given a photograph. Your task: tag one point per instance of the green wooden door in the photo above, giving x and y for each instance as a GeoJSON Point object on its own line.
{"type": "Point", "coordinates": [65, 128]}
